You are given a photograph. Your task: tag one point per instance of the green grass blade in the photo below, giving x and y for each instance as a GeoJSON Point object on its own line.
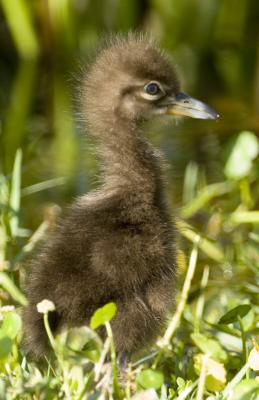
{"type": "Point", "coordinates": [186, 392]}
{"type": "Point", "coordinates": [18, 18]}
{"type": "Point", "coordinates": [15, 193]}
{"type": "Point", "coordinates": [190, 182]}
{"type": "Point", "coordinates": [237, 378]}
{"type": "Point", "coordinates": [184, 295]}
{"type": "Point", "coordinates": [205, 196]}
{"type": "Point", "coordinates": [206, 246]}
{"type": "Point", "coordinates": [17, 113]}
{"type": "Point", "coordinates": [48, 184]}
{"type": "Point", "coordinates": [245, 217]}
{"type": "Point", "coordinates": [4, 197]}
{"type": "Point", "coordinates": [7, 284]}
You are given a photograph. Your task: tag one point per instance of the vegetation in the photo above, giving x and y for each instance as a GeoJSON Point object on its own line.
{"type": "Point", "coordinates": [210, 349]}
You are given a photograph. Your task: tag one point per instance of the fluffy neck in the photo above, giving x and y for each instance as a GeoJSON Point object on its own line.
{"type": "Point", "coordinates": [129, 161]}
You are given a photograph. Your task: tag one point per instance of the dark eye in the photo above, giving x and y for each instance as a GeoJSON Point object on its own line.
{"type": "Point", "coordinates": [152, 88]}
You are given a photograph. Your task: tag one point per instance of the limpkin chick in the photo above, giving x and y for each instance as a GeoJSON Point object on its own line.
{"type": "Point", "coordinates": [117, 243]}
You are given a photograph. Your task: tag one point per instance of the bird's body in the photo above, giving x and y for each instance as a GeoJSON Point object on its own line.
{"type": "Point", "coordinates": [115, 244]}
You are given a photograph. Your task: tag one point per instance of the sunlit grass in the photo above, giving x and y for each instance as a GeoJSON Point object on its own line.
{"type": "Point", "coordinates": [210, 347]}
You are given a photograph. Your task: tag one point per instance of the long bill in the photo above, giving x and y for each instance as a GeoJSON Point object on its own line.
{"type": "Point", "coordinates": [185, 105]}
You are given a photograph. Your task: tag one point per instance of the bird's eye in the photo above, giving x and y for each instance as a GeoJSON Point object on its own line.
{"type": "Point", "coordinates": [152, 88]}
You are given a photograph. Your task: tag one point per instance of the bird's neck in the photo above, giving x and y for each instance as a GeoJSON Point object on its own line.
{"type": "Point", "coordinates": [129, 161]}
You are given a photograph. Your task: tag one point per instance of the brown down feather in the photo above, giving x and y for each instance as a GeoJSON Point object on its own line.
{"type": "Point", "coordinates": [116, 243]}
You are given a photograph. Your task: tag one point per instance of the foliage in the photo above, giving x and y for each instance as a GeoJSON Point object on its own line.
{"type": "Point", "coordinates": [210, 348]}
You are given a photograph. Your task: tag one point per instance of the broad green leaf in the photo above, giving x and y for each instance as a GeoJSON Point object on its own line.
{"type": "Point", "coordinates": [11, 325]}
{"type": "Point", "coordinates": [230, 342]}
{"type": "Point", "coordinates": [248, 389]}
{"type": "Point", "coordinates": [85, 341]}
{"type": "Point", "coordinates": [244, 151]}
{"type": "Point", "coordinates": [249, 320]}
{"type": "Point", "coordinates": [150, 378]}
{"type": "Point", "coordinates": [77, 338]}
{"type": "Point", "coordinates": [5, 347]}
{"type": "Point", "coordinates": [215, 373]}
{"type": "Point", "coordinates": [209, 346]}
{"type": "Point", "coordinates": [102, 315]}
{"type": "Point", "coordinates": [232, 315]}
{"type": "Point", "coordinates": [225, 328]}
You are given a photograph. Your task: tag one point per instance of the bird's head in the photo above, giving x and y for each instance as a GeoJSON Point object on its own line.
{"type": "Point", "coordinates": [132, 80]}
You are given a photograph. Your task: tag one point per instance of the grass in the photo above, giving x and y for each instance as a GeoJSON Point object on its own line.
{"type": "Point", "coordinates": [210, 348]}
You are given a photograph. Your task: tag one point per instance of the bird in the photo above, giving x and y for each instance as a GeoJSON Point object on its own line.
{"type": "Point", "coordinates": [117, 243]}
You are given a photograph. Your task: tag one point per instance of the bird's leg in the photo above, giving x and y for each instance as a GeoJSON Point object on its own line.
{"type": "Point", "coordinates": [122, 360]}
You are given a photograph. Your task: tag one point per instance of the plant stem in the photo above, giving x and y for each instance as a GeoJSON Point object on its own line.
{"type": "Point", "coordinates": [243, 337]}
{"type": "Point", "coordinates": [201, 299]}
{"type": "Point", "coordinates": [48, 330]}
{"type": "Point", "coordinates": [184, 295]}
{"type": "Point", "coordinates": [237, 378]}
{"type": "Point", "coordinates": [116, 387]}
{"type": "Point", "coordinates": [201, 385]}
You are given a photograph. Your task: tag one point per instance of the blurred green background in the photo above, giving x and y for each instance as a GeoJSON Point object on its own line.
{"type": "Point", "coordinates": [214, 44]}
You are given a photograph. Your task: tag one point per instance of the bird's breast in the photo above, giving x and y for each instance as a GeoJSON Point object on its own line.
{"type": "Point", "coordinates": [130, 255]}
